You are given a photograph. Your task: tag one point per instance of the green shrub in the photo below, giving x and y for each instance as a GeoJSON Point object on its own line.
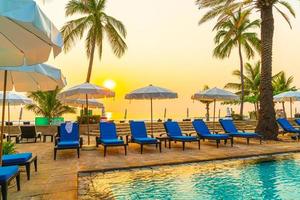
{"type": "Point", "coordinates": [8, 148]}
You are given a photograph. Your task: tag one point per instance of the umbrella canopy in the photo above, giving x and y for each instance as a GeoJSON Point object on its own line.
{"type": "Point", "coordinates": [32, 78]}
{"type": "Point", "coordinates": [80, 102]}
{"type": "Point", "coordinates": [151, 92]}
{"type": "Point", "coordinates": [215, 94]}
{"type": "Point", "coordinates": [289, 96]}
{"type": "Point", "coordinates": [14, 98]}
{"type": "Point", "coordinates": [27, 36]}
{"type": "Point", "coordinates": [86, 89]}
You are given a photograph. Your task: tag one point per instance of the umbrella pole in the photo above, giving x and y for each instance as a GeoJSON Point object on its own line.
{"type": "Point", "coordinates": [214, 116]}
{"type": "Point", "coordinates": [88, 118]}
{"type": "Point", "coordinates": [291, 108]}
{"type": "Point", "coordinates": [283, 108]}
{"type": "Point", "coordinates": [8, 112]}
{"type": "Point", "coordinates": [151, 116]}
{"type": "Point", "coordinates": [3, 115]}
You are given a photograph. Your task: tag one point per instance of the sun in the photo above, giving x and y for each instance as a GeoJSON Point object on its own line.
{"type": "Point", "coordinates": [110, 84]}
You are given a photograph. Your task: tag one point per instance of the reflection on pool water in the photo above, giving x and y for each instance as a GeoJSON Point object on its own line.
{"type": "Point", "coordinates": [239, 179]}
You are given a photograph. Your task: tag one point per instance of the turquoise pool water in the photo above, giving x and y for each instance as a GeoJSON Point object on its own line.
{"type": "Point", "coordinates": [250, 179]}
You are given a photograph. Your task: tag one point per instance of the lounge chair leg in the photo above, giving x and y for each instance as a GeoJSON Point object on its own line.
{"type": "Point", "coordinates": [35, 164]}
{"type": "Point", "coordinates": [198, 144]}
{"type": "Point", "coordinates": [183, 146]}
{"type": "Point", "coordinates": [27, 166]}
{"type": "Point", "coordinates": [248, 141]}
{"type": "Point", "coordinates": [78, 152]}
{"type": "Point", "coordinates": [231, 141]}
{"type": "Point", "coordinates": [97, 142]}
{"type": "Point", "coordinates": [141, 148]}
{"type": "Point", "coordinates": [160, 147]}
{"type": "Point", "coordinates": [104, 151]}
{"type": "Point", "coordinates": [4, 188]}
{"type": "Point", "coordinates": [165, 143]}
{"type": "Point", "coordinates": [55, 153]}
{"type": "Point", "coordinates": [169, 144]}
{"type": "Point", "coordinates": [260, 140]}
{"type": "Point", "coordinates": [225, 142]}
{"type": "Point", "coordinates": [125, 148]}
{"type": "Point", "coordinates": [156, 145]}
{"type": "Point", "coordinates": [18, 182]}
{"type": "Point", "coordinates": [218, 141]}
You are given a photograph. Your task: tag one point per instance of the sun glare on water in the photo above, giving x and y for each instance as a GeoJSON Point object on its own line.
{"type": "Point", "coordinates": [110, 84]}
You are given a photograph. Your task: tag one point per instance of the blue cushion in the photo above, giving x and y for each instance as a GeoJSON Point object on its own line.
{"type": "Point", "coordinates": [146, 140]}
{"type": "Point", "coordinates": [297, 121]}
{"type": "Point", "coordinates": [66, 144]}
{"type": "Point", "coordinates": [138, 129]}
{"type": "Point", "coordinates": [16, 159]}
{"type": "Point", "coordinates": [185, 138]}
{"type": "Point", "coordinates": [287, 126]}
{"type": "Point", "coordinates": [111, 141]}
{"type": "Point", "coordinates": [173, 129]}
{"type": "Point", "coordinates": [108, 130]}
{"type": "Point", "coordinates": [201, 128]}
{"type": "Point", "coordinates": [242, 134]}
{"type": "Point", "coordinates": [228, 126]}
{"type": "Point", "coordinates": [7, 172]}
{"type": "Point", "coordinates": [65, 136]}
{"type": "Point", "coordinates": [216, 136]}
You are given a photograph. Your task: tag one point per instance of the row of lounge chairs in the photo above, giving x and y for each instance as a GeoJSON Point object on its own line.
{"type": "Point", "coordinates": [287, 127]}
{"type": "Point", "coordinates": [108, 137]}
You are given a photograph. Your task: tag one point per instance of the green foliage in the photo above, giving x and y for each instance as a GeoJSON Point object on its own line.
{"type": "Point", "coordinates": [48, 105]}
{"type": "Point", "coordinates": [92, 20]}
{"type": "Point", "coordinates": [283, 84]}
{"type": "Point", "coordinates": [8, 148]}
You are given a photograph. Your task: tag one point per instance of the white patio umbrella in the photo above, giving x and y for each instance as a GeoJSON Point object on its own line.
{"type": "Point", "coordinates": [289, 96]}
{"type": "Point", "coordinates": [15, 99]}
{"type": "Point", "coordinates": [151, 92]}
{"type": "Point", "coordinates": [87, 91]}
{"type": "Point", "coordinates": [27, 36]}
{"type": "Point", "coordinates": [82, 102]}
{"type": "Point", "coordinates": [215, 94]}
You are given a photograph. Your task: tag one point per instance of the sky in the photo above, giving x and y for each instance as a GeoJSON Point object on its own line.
{"type": "Point", "coordinates": [167, 48]}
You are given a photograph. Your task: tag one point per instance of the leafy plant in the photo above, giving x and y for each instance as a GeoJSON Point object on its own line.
{"type": "Point", "coordinates": [8, 148]}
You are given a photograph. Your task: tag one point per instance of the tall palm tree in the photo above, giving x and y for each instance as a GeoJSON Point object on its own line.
{"type": "Point", "coordinates": [92, 20]}
{"type": "Point", "coordinates": [283, 84]}
{"type": "Point", "coordinates": [237, 31]}
{"type": "Point", "coordinates": [219, 8]}
{"type": "Point", "coordinates": [48, 105]}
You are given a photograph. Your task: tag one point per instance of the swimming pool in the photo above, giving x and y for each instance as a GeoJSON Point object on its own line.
{"type": "Point", "coordinates": [276, 178]}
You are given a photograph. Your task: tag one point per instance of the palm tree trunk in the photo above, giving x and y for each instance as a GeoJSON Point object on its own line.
{"type": "Point", "coordinates": [207, 111]}
{"type": "Point", "coordinates": [267, 125]}
{"type": "Point", "coordinates": [88, 78]}
{"type": "Point", "coordinates": [255, 110]}
{"type": "Point", "coordinates": [242, 81]}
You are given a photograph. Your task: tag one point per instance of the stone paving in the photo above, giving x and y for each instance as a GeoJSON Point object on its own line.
{"type": "Point", "coordinates": [59, 179]}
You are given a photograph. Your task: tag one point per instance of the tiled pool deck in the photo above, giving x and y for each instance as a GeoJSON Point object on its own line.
{"type": "Point", "coordinates": [58, 179]}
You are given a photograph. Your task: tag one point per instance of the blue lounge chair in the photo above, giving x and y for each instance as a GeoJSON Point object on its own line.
{"type": "Point", "coordinates": [288, 127]}
{"type": "Point", "coordinates": [204, 133]}
{"type": "Point", "coordinates": [108, 137]}
{"type": "Point", "coordinates": [297, 121]}
{"type": "Point", "coordinates": [231, 130]}
{"type": "Point", "coordinates": [21, 159]}
{"type": "Point", "coordinates": [69, 138]}
{"type": "Point", "coordinates": [174, 133]}
{"type": "Point", "coordinates": [139, 135]}
{"type": "Point", "coordinates": [7, 174]}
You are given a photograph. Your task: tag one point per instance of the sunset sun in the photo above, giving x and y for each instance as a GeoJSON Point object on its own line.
{"type": "Point", "coordinates": [110, 84]}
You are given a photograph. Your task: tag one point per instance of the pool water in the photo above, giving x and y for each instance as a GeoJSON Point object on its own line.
{"type": "Point", "coordinates": [240, 179]}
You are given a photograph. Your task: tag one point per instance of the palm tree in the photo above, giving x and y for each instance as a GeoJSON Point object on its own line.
{"type": "Point", "coordinates": [48, 105]}
{"type": "Point", "coordinates": [283, 84]}
{"type": "Point", "coordinates": [96, 24]}
{"type": "Point", "coordinates": [237, 31]}
{"type": "Point", "coordinates": [267, 124]}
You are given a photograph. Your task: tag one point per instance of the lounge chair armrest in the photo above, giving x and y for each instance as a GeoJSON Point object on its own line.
{"type": "Point", "coordinates": [192, 133]}
{"type": "Point", "coordinates": [185, 133]}
{"type": "Point", "coordinates": [163, 134]}
{"type": "Point", "coordinates": [56, 141]}
{"type": "Point", "coordinates": [150, 135]}
{"type": "Point", "coordinates": [80, 142]}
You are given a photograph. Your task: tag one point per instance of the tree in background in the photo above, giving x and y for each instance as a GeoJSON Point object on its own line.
{"type": "Point", "coordinates": [237, 31]}
{"type": "Point", "coordinates": [47, 104]}
{"type": "Point", "coordinates": [92, 20]}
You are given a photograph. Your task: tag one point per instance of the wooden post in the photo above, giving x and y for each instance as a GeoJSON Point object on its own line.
{"type": "Point", "coordinates": [3, 115]}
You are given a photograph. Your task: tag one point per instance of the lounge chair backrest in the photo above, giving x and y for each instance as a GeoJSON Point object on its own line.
{"type": "Point", "coordinates": [108, 130]}
{"type": "Point", "coordinates": [28, 132]}
{"type": "Point", "coordinates": [297, 121]}
{"type": "Point", "coordinates": [138, 129]}
{"type": "Point", "coordinates": [285, 124]}
{"type": "Point", "coordinates": [173, 129]}
{"type": "Point", "coordinates": [228, 125]}
{"type": "Point", "coordinates": [200, 127]}
{"type": "Point", "coordinates": [69, 133]}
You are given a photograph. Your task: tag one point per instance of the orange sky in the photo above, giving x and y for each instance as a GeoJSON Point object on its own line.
{"type": "Point", "coordinates": [166, 47]}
